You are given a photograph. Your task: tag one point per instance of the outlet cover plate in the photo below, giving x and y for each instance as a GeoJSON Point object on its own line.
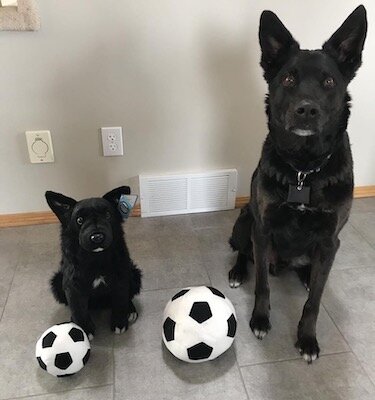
{"type": "Point", "coordinates": [39, 144]}
{"type": "Point", "coordinates": [112, 141]}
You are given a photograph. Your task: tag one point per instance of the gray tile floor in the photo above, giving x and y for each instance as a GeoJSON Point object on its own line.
{"type": "Point", "coordinates": [181, 251]}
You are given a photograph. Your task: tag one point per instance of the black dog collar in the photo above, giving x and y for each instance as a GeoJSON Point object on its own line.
{"type": "Point", "coordinates": [300, 193]}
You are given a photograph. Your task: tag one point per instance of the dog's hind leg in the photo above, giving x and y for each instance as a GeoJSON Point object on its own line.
{"type": "Point", "coordinates": [57, 289]}
{"type": "Point", "coordinates": [239, 272]}
{"type": "Point", "coordinates": [135, 287]}
{"type": "Point", "coordinates": [133, 314]}
{"type": "Point", "coordinates": [304, 274]}
{"type": "Point", "coordinates": [241, 241]}
{"type": "Point", "coordinates": [135, 280]}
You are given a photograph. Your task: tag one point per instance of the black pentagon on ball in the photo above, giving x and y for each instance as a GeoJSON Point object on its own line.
{"type": "Point", "coordinates": [76, 335]}
{"type": "Point", "coordinates": [63, 360]}
{"type": "Point", "coordinates": [168, 327]}
{"type": "Point", "coordinates": [200, 311]}
{"type": "Point", "coordinates": [48, 340]}
{"type": "Point", "coordinates": [216, 292]}
{"type": "Point", "coordinates": [86, 357]}
{"type": "Point", "coordinates": [200, 351]}
{"type": "Point", "coordinates": [41, 363]}
{"type": "Point", "coordinates": [179, 294]}
{"type": "Point", "coordinates": [232, 326]}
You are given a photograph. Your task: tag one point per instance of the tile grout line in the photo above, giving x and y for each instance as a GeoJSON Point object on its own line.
{"type": "Point", "coordinates": [61, 391]}
{"type": "Point", "coordinates": [351, 268]}
{"type": "Point", "coordinates": [205, 284]}
{"type": "Point", "coordinates": [362, 235]}
{"type": "Point", "coordinates": [172, 288]}
{"type": "Point", "coordinates": [9, 290]}
{"type": "Point", "coordinates": [292, 359]}
{"type": "Point", "coordinates": [347, 343]}
{"type": "Point", "coordinates": [241, 376]}
{"type": "Point", "coordinates": [202, 259]}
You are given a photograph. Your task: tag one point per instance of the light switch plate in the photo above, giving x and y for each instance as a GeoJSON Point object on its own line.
{"type": "Point", "coordinates": [39, 144]}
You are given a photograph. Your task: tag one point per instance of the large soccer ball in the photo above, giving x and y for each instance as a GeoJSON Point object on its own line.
{"type": "Point", "coordinates": [199, 324]}
{"type": "Point", "coordinates": [63, 349]}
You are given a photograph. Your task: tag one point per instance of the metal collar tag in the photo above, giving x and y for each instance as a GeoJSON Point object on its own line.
{"type": "Point", "coordinates": [300, 193]}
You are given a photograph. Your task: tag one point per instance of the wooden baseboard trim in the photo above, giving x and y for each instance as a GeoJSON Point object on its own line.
{"type": "Point", "coordinates": [30, 218]}
{"type": "Point", "coordinates": [136, 212]}
{"type": "Point", "coordinates": [40, 218]}
{"type": "Point", "coordinates": [242, 201]}
{"type": "Point", "coordinates": [47, 217]}
{"type": "Point", "coordinates": [364, 191]}
{"type": "Point", "coordinates": [358, 193]}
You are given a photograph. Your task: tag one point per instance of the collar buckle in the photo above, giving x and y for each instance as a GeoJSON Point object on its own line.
{"type": "Point", "coordinates": [301, 176]}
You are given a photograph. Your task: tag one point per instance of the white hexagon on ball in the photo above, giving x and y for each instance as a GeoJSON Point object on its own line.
{"type": "Point", "coordinates": [63, 349]}
{"type": "Point", "coordinates": [199, 324]}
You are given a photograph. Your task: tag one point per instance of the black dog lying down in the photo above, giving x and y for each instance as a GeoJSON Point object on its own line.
{"type": "Point", "coordinates": [96, 269]}
{"type": "Point", "coordinates": [301, 191]}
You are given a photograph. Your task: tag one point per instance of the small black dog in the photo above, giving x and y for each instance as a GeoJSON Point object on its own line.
{"type": "Point", "coordinates": [96, 269]}
{"type": "Point", "coordinates": [301, 191]}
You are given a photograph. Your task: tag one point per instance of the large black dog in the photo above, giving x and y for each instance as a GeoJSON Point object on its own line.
{"type": "Point", "coordinates": [96, 269]}
{"type": "Point", "coordinates": [301, 191]}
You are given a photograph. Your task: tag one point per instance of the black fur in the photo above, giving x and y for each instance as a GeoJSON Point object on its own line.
{"type": "Point", "coordinates": [93, 247]}
{"type": "Point", "coordinates": [308, 109]}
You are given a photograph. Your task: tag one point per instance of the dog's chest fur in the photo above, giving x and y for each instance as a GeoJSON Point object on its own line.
{"type": "Point", "coordinates": [100, 280]}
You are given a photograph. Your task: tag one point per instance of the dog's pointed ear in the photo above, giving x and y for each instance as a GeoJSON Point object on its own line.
{"type": "Point", "coordinates": [61, 205]}
{"type": "Point", "coordinates": [114, 195]}
{"type": "Point", "coordinates": [346, 44]}
{"type": "Point", "coordinates": [276, 43]}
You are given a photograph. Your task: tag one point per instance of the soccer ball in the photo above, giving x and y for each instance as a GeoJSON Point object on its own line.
{"type": "Point", "coordinates": [199, 324]}
{"type": "Point", "coordinates": [63, 349]}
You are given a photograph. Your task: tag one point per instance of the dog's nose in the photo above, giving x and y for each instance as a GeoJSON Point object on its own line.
{"type": "Point", "coordinates": [97, 238]}
{"type": "Point", "coordinates": [307, 110]}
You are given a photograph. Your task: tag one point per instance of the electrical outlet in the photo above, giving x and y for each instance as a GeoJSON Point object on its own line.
{"type": "Point", "coordinates": [39, 144]}
{"type": "Point", "coordinates": [112, 141]}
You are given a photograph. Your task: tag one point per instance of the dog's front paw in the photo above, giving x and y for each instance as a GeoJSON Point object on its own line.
{"type": "Point", "coordinates": [132, 317]}
{"type": "Point", "coordinates": [260, 325]}
{"type": "Point", "coordinates": [236, 277]}
{"type": "Point", "coordinates": [88, 327]}
{"type": "Point", "coordinates": [119, 331]}
{"type": "Point", "coordinates": [119, 324]}
{"type": "Point", "coordinates": [308, 348]}
{"type": "Point", "coordinates": [122, 326]}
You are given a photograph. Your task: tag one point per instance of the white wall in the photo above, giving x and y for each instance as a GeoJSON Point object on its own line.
{"type": "Point", "coordinates": [181, 77]}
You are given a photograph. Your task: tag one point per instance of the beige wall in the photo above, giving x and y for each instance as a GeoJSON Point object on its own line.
{"type": "Point", "coordinates": [181, 77]}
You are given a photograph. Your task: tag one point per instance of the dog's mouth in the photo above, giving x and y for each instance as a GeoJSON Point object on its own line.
{"type": "Point", "coordinates": [98, 250]}
{"type": "Point", "coordinates": [303, 132]}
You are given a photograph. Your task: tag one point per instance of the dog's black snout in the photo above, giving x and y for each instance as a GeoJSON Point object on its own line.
{"type": "Point", "coordinates": [307, 110]}
{"type": "Point", "coordinates": [97, 238]}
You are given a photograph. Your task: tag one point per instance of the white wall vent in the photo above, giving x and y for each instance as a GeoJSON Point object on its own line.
{"type": "Point", "coordinates": [187, 193]}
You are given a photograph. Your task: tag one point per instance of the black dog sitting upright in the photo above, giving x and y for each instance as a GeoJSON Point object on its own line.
{"type": "Point", "coordinates": [96, 269]}
{"type": "Point", "coordinates": [301, 191]}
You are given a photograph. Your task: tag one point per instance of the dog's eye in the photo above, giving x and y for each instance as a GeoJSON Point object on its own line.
{"type": "Point", "coordinates": [329, 82]}
{"type": "Point", "coordinates": [79, 220]}
{"type": "Point", "coordinates": [108, 215]}
{"type": "Point", "coordinates": [289, 80]}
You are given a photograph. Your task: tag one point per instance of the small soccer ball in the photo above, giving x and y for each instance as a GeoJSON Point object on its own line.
{"type": "Point", "coordinates": [199, 324]}
{"type": "Point", "coordinates": [63, 349]}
